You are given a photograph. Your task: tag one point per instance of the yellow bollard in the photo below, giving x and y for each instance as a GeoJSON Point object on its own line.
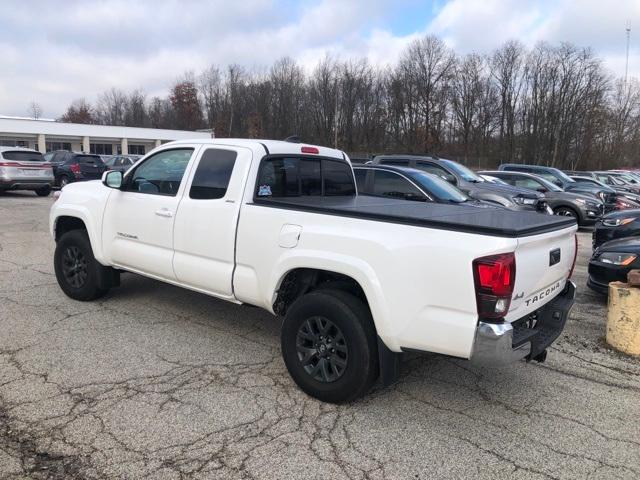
{"type": "Point", "coordinates": [623, 322]}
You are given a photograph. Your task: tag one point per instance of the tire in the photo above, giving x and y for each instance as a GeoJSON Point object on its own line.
{"type": "Point", "coordinates": [351, 368]}
{"type": "Point", "coordinates": [76, 268]}
{"type": "Point", "coordinates": [44, 191]}
{"type": "Point", "coordinates": [567, 212]}
{"type": "Point", "coordinates": [63, 181]}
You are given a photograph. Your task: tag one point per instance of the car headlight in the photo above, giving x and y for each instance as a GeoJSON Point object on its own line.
{"type": "Point", "coordinates": [581, 201]}
{"type": "Point", "coordinates": [617, 222]}
{"type": "Point", "coordinates": [524, 201]}
{"type": "Point", "coordinates": [617, 258]}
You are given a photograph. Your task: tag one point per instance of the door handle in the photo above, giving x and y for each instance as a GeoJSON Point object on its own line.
{"type": "Point", "coordinates": [163, 212]}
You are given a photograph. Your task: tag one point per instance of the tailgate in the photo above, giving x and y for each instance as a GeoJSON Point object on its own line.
{"type": "Point", "coordinates": [543, 263]}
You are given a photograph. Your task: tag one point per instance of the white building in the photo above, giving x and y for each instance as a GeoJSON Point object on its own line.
{"type": "Point", "coordinates": [47, 135]}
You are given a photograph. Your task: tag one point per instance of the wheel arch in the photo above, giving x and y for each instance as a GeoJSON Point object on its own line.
{"type": "Point", "coordinates": [66, 219]}
{"type": "Point", "coordinates": [296, 280]}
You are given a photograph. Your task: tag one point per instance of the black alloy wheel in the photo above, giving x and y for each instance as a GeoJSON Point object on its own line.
{"type": "Point", "coordinates": [322, 349]}
{"type": "Point", "coordinates": [77, 271]}
{"type": "Point", "coordinates": [74, 266]}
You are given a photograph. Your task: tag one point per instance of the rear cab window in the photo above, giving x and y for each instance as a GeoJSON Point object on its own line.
{"type": "Point", "coordinates": [298, 176]}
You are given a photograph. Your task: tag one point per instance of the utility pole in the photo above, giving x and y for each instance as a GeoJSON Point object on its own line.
{"type": "Point", "coordinates": [626, 67]}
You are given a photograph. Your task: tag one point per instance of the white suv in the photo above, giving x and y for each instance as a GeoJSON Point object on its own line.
{"type": "Point", "coordinates": [25, 169]}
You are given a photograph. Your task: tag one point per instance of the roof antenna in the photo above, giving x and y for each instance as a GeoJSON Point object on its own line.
{"type": "Point", "coordinates": [293, 139]}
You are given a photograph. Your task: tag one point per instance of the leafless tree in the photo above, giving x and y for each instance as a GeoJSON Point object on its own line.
{"type": "Point", "coordinates": [35, 110]}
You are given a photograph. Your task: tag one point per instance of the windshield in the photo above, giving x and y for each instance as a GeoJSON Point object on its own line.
{"type": "Point", "coordinates": [463, 171]}
{"type": "Point", "coordinates": [22, 156]}
{"type": "Point", "coordinates": [552, 187]}
{"type": "Point", "coordinates": [438, 187]}
{"type": "Point", "coordinates": [563, 176]}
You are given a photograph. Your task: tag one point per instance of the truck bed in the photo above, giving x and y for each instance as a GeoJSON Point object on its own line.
{"type": "Point", "coordinates": [483, 221]}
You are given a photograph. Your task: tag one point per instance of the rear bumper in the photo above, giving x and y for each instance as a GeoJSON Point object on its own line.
{"type": "Point", "coordinates": [498, 344]}
{"type": "Point", "coordinates": [25, 184]}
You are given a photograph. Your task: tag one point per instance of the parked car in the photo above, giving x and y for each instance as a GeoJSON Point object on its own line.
{"type": "Point", "coordinates": [585, 209]}
{"type": "Point", "coordinates": [612, 261]}
{"type": "Point", "coordinates": [24, 169]}
{"type": "Point", "coordinates": [357, 279]}
{"type": "Point", "coordinates": [409, 184]}
{"type": "Point", "coordinates": [619, 179]}
{"type": "Point", "coordinates": [622, 224]}
{"type": "Point", "coordinates": [561, 179]}
{"type": "Point", "coordinates": [469, 182]}
{"type": "Point", "coordinates": [71, 167]}
{"type": "Point", "coordinates": [624, 198]}
{"type": "Point", "coordinates": [122, 163]}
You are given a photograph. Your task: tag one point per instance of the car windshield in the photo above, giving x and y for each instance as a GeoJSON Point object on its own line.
{"type": "Point", "coordinates": [438, 187]}
{"type": "Point", "coordinates": [552, 187]}
{"type": "Point", "coordinates": [463, 171]}
{"type": "Point", "coordinates": [22, 156]}
{"type": "Point", "coordinates": [563, 176]}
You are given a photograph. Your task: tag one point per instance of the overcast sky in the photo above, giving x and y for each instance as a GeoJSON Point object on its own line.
{"type": "Point", "coordinates": [54, 52]}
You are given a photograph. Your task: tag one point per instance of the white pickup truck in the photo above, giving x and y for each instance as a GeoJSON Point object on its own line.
{"type": "Point", "coordinates": [357, 279]}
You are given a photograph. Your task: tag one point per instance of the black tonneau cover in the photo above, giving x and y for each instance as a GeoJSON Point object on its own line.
{"type": "Point", "coordinates": [496, 222]}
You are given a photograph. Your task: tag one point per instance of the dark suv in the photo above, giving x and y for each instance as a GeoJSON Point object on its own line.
{"type": "Point", "coordinates": [466, 180]}
{"type": "Point", "coordinates": [561, 179]}
{"type": "Point", "coordinates": [75, 167]}
{"type": "Point", "coordinates": [584, 208]}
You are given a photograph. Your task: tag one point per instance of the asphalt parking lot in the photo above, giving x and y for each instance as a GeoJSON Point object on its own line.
{"type": "Point", "coordinates": [158, 382]}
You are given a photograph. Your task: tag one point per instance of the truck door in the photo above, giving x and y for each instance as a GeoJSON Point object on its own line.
{"type": "Point", "coordinates": [139, 219]}
{"type": "Point", "coordinates": [205, 228]}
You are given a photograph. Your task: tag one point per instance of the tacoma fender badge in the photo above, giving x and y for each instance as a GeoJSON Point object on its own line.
{"type": "Point", "coordinates": [126, 235]}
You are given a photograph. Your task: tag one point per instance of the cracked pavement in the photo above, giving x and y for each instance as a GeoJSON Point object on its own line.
{"type": "Point", "coordinates": [158, 382]}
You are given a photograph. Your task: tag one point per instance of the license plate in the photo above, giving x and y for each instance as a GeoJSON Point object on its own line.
{"type": "Point", "coordinates": [32, 172]}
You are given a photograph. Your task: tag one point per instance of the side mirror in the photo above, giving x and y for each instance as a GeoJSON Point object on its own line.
{"type": "Point", "coordinates": [112, 179]}
{"type": "Point", "coordinates": [542, 189]}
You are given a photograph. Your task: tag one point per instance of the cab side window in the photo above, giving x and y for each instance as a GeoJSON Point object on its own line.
{"type": "Point", "coordinates": [361, 179]}
{"type": "Point", "coordinates": [212, 174]}
{"type": "Point", "coordinates": [160, 174]}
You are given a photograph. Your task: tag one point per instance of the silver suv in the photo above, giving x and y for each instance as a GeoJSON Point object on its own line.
{"type": "Point", "coordinates": [25, 169]}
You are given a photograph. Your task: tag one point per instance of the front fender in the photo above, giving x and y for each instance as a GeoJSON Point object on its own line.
{"type": "Point", "coordinates": [85, 202]}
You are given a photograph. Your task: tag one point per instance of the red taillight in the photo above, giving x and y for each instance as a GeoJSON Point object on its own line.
{"type": "Point", "coordinates": [309, 150]}
{"type": "Point", "coordinates": [9, 164]}
{"type": "Point", "coordinates": [494, 278]}
{"type": "Point", "coordinates": [75, 168]}
{"type": "Point", "coordinates": [575, 256]}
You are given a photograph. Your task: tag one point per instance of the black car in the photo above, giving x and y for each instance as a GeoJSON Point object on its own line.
{"type": "Point", "coordinates": [615, 225]}
{"type": "Point", "coordinates": [624, 198]}
{"type": "Point", "coordinates": [561, 179]}
{"type": "Point", "coordinates": [471, 184]}
{"type": "Point", "coordinates": [612, 262]}
{"type": "Point", "coordinates": [584, 208]}
{"type": "Point", "coordinates": [75, 167]}
{"type": "Point", "coordinates": [409, 184]}
{"type": "Point", "coordinates": [121, 163]}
